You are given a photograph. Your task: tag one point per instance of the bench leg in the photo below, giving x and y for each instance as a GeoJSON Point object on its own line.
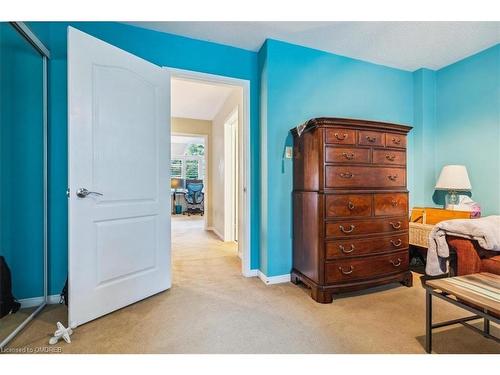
{"type": "Point", "coordinates": [428, 322]}
{"type": "Point", "coordinates": [486, 326]}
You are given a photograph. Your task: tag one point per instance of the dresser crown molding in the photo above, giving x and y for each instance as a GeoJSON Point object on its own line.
{"type": "Point", "coordinates": [339, 122]}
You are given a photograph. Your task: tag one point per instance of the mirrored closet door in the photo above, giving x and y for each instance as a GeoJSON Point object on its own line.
{"type": "Point", "coordinates": [23, 124]}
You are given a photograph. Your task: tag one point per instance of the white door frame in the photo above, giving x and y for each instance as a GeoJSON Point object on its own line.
{"type": "Point", "coordinates": [229, 202]}
{"type": "Point", "coordinates": [245, 186]}
{"type": "Point", "coordinates": [207, 171]}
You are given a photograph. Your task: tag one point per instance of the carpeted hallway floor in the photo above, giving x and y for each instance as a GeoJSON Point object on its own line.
{"type": "Point", "coordinates": [211, 308]}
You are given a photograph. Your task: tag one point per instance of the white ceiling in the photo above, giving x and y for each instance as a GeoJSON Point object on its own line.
{"type": "Point", "coordinates": [197, 100]}
{"type": "Point", "coordinates": [404, 45]}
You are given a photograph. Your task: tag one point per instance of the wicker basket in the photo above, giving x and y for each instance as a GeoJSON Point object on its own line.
{"type": "Point", "coordinates": [423, 219]}
{"type": "Point", "coordinates": [419, 234]}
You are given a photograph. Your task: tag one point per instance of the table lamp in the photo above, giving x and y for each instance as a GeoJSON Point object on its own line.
{"type": "Point", "coordinates": [453, 178]}
{"type": "Point", "coordinates": [177, 183]}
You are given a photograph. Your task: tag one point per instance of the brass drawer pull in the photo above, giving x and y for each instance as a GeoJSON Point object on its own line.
{"type": "Point", "coordinates": [395, 225]}
{"type": "Point", "coordinates": [396, 243]}
{"type": "Point", "coordinates": [390, 157]}
{"type": "Point", "coordinates": [351, 205]}
{"type": "Point", "coordinates": [396, 141]}
{"type": "Point", "coordinates": [396, 264]}
{"type": "Point", "coordinates": [348, 156]}
{"type": "Point", "coordinates": [392, 177]}
{"type": "Point", "coordinates": [342, 248]}
{"type": "Point", "coordinates": [340, 137]}
{"type": "Point", "coordinates": [346, 175]}
{"type": "Point", "coordinates": [371, 139]}
{"type": "Point", "coordinates": [394, 203]}
{"type": "Point", "coordinates": [351, 268]}
{"type": "Point", "coordinates": [346, 230]}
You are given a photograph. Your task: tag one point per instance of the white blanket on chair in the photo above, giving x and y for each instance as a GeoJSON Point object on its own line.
{"type": "Point", "coordinates": [486, 231]}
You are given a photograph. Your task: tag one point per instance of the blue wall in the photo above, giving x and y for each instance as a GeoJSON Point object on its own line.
{"type": "Point", "coordinates": [21, 162]}
{"type": "Point", "coordinates": [468, 123]}
{"type": "Point", "coordinates": [302, 83]}
{"type": "Point", "coordinates": [161, 49]}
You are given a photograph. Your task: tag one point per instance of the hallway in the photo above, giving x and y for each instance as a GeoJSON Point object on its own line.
{"type": "Point", "coordinates": [196, 251]}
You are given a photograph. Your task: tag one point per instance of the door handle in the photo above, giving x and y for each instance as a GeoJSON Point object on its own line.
{"type": "Point", "coordinates": [82, 193]}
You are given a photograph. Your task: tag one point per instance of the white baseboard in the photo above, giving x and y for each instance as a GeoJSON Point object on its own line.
{"type": "Point", "coordinates": [217, 233]}
{"type": "Point", "coordinates": [53, 299]}
{"type": "Point", "coordinates": [269, 280]}
{"type": "Point", "coordinates": [251, 273]}
{"type": "Point", "coordinates": [30, 302]}
{"type": "Point", "coordinates": [37, 301]}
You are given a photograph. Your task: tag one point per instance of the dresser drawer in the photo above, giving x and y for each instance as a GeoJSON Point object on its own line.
{"type": "Point", "coordinates": [368, 177]}
{"type": "Point", "coordinates": [395, 140]}
{"type": "Point", "coordinates": [390, 157]}
{"type": "Point", "coordinates": [370, 138]}
{"type": "Point", "coordinates": [365, 246]}
{"type": "Point", "coordinates": [348, 205]}
{"type": "Point", "coordinates": [340, 136]}
{"type": "Point", "coordinates": [367, 267]}
{"type": "Point", "coordinates": [347, 228]}
{"type": "Point", "coordinates": [391, 204]}
{"type": "Point", "coordinates": [347, 155]}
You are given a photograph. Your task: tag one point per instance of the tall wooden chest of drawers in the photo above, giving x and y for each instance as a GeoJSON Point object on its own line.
{"type": "Point", "coordinates": [350, 206]}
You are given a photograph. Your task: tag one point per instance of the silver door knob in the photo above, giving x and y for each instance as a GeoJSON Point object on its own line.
{"type": "Point", "coordinates": [82, 193]}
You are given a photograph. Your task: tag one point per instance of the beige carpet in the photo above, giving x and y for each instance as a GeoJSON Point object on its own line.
{"type": "Point", "coordinates": [10, 322]}
{"type": "Point", "coordinates": [211, 308]}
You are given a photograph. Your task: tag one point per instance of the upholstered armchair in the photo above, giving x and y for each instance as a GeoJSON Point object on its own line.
{"type": "Point", "coordinates": [471, 258]}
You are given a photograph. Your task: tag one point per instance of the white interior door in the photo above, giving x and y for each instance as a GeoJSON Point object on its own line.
{"type": "Point", "coordinates": [119, 146]}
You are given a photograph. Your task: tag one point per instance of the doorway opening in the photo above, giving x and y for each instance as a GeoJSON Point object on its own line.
{"type": "Point", "coordinates": [209, 169]}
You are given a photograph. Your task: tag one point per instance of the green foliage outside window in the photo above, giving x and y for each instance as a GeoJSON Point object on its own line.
{"type": "Point", "coordinates": [195, 149]}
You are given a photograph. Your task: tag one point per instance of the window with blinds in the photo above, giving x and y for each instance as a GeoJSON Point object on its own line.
{"type": "Point", "coordinates": [188, 167]}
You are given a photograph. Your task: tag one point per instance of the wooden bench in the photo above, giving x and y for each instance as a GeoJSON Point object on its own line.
{"type": "Point", "coordinates": [478, 293]}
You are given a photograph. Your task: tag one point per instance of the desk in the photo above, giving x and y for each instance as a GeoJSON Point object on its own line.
{"type": "Point", "coordinates": [179, 199]}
